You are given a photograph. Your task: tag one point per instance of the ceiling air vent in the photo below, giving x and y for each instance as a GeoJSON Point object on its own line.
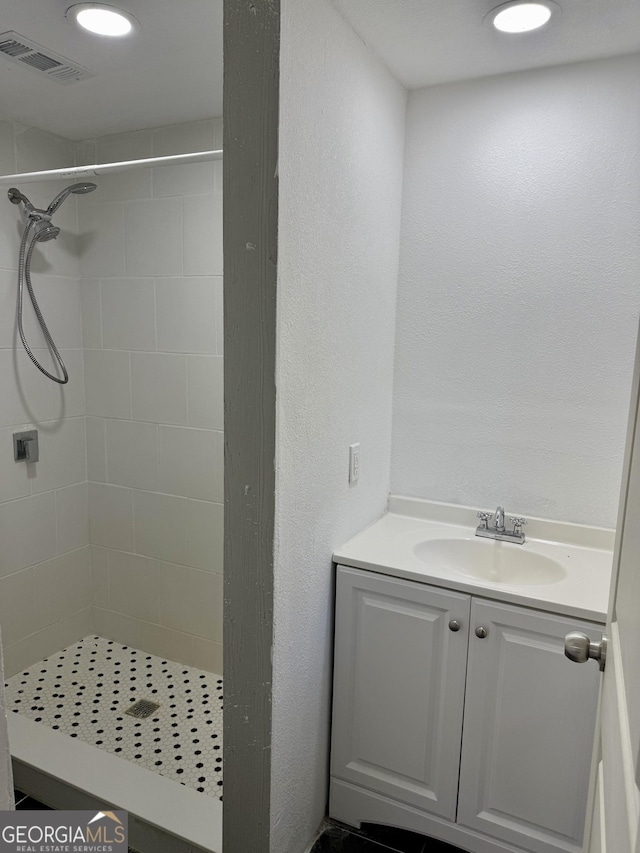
{"type": "Point", "coordinates": [19, 49]}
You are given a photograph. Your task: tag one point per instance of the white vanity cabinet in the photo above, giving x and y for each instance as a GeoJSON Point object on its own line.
{"type": "Point", "coordinates": [481, 741]}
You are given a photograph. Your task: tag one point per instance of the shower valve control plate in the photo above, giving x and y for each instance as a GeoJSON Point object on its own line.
{"type": "Point", "coordinates": [25, 446]}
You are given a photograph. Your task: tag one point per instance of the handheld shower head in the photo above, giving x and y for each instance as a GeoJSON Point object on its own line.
{"type": "Point", "coordinates": [45, 230]}
{"type": "Point", "coordinates": [16, 197]}
{"type": "Point", "coordinates": [81, 189]}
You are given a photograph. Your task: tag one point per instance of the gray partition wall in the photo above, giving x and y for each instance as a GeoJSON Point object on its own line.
{"type": "Point", "coordinates": [251, 81]}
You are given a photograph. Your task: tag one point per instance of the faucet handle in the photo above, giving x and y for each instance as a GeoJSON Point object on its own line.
{"type": "Point", "coordinates": [485, 518]}
{"type": "Point", "coordinates": [518, 524]}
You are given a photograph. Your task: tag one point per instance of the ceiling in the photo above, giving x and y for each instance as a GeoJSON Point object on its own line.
{"type": "Point", "coordinates": [425, 42]}
{"type": "Point", "coordinates": [169, 72]}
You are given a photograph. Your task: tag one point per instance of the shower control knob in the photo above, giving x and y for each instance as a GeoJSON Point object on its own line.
{"type": "Point", "coordinates": [481, 632]}
{"type": "Point", "coordinates": [454, 625]}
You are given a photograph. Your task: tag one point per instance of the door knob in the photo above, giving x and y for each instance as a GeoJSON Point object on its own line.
{"type": "Point", "coordinates": [481, 632]}
{"type": "Point", "coordinates": [579, 648]}
{"type": "Point", "coordinates": [454, 625]}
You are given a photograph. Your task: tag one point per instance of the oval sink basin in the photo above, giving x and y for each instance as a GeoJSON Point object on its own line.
{"type": "Point", "coordinates": [491, 561]}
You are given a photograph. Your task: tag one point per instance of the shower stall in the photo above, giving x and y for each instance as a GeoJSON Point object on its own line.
{"type": "Point", "coordinates": [111, 542]}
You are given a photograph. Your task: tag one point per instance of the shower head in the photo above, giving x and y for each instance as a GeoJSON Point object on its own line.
{"type": "Point", "coordinates": [16, 197]}
{"type": "Point", "coordinates": [45, 230]}
{"type": "Point", "coordinates": [80, 189]}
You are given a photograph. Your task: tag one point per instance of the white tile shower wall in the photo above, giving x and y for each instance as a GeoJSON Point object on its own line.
{"type": "Point", "coordinates": [151, 319]}
{"type": "Point", "coordinates": [518, 291]}
{"type": "Point", "coordinates": [45, 592]}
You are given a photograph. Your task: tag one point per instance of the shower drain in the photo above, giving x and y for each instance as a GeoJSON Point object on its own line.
{"type": "Point", "coordinates": [142, 709]}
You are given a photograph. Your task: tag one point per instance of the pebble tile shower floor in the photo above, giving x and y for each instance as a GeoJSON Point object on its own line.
{"type": "Point", "coordinates": [84, 691]}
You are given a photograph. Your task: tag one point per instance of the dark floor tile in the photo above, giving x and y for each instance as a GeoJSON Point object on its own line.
{"type": "Point", "coordinates": [398, 840]}
{"type": "Point", "coordinates": [28, 804]}
{"type": "Point", "coordinates": [375, 838]}
{"type": "Point", "coordinates": [337, 840]}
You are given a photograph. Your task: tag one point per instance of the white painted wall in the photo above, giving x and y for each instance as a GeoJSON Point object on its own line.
{"type": "Point", "coordinates": [341, 148]}
{"type": "Point", "coordinates": [518, 292]}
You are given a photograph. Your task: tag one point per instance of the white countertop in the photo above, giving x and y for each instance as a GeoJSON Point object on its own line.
{"type": "Point", "coordinates": [585, 553]}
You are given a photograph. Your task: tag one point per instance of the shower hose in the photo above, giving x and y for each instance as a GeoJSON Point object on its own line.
{"type": "Point", "coordinates": [24, 276]}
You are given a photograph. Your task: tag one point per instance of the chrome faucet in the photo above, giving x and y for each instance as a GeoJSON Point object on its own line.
{"type": "Point", "coordinates": [499, 531]}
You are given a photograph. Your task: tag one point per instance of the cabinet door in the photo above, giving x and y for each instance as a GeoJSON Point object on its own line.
{"type": "Point", "coordinates": [399, 688]}
{"type": "Point", "coordinates": [528, 729]}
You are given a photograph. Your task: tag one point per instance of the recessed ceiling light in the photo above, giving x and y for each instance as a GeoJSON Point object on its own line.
{"type": "Point", "coordinates": [101, 19]}
{"type": "Point", "coordinates": [519, 17]}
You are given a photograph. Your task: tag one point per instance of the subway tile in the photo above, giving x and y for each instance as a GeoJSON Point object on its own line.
{"type": "Point", "coordinates": [119, 627]}
{"type": "Point", "coordinates": [62, 456]}
{"type": "Point", "coordinates": [166, 643]}
{"type": "Point", "coordinates": [101, 239]}
{"type": "Point", "coordinates": [188, 464]}
{"type": "Point", "coordinates": [153, 237]}
{"type": "Point", "coordinates": [202, 223]}
{"type": "Point", "coordinates": [159, 387]}
{"type": "Point", "coordinates": [133, 585]}
{"type": "Point", "coordinates": [74, 628]}
{"type": "Point", "coordinates": [179, 180]}
{"type": "Point", "coordinates": [91, 313]}
{"type": "Point", "coordinates": [37, 150]}
{"type": "Point", "coordinates": [69, 400]}
{"type": "Point", "coordinates": [107, 383]}
{"type": "Point", "coordinates": [128, 314]}
{"type": "Point", "coordinates": [59, 301]}
{"type": "Point", "coordinates": [218, 132]}
{"type": "Point", "coordinates": [205, 383]}
{"type": "Point", "coordinates": [8, 297]}
{"type": "Point", "coordinates": [96, 450]}
{"type": "Point", "coordinates": [132, 454]}
{"type": "Point", "coordinates": [11, 227]}
{"type": "Point", "coordinates": [27, 532]}
{"type": "Point", "coordinates": [99, 575]}
{"type": "Point", "coordinates": [191, 601]}
{"type": "Point", "coordinates": [25, 393]}
{"type": "Point", "coordinates": [207, 655]}
{"type": "Point", "coordinates": [7, 151]}
{"type": "Point", "coordinates": [86, 152]}
{"type": "Point", "coordinates": [72, 517]}
{"type": "Point", "coordinates": [17, 606]}
{"type": "Point", "coordinates": [183, 138]}
{"type": "Point", "coordinates": [14, 476]}
{"type": "Point", "coordinates": [62, 587]}
{"type": "Point", "coordinates": [135, 145]}
{"type": "Point", "coordinates": [186, 314]}
{"type": "Point", "coordinates": [124, 186]}
{"type": "Point", "coordinates": [111, 516]}
{"type": "Point", "coordinates": [160, 526]}
{"type": "Point", "coordinates": [205, 535]}
{"type": "Point", "coordinates": [35, 647]}
{"type": "Point", "coordinates": [219, 316]}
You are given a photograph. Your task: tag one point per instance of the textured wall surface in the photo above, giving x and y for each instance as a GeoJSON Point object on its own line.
{"type": "Point", "coordinates": [44, 532]}
{"type": "Point", "coordinates": [518, 292]}
{"type": "Point", "coordinates": [341, 148]}
{"type": "Point", "coordinates": [152, 325]}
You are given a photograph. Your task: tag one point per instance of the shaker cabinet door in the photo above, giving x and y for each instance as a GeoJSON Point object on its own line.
{"type": "Point", "coordinates": [399, 677]}
{"type": "Point", "coordinates": [529, 726]}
